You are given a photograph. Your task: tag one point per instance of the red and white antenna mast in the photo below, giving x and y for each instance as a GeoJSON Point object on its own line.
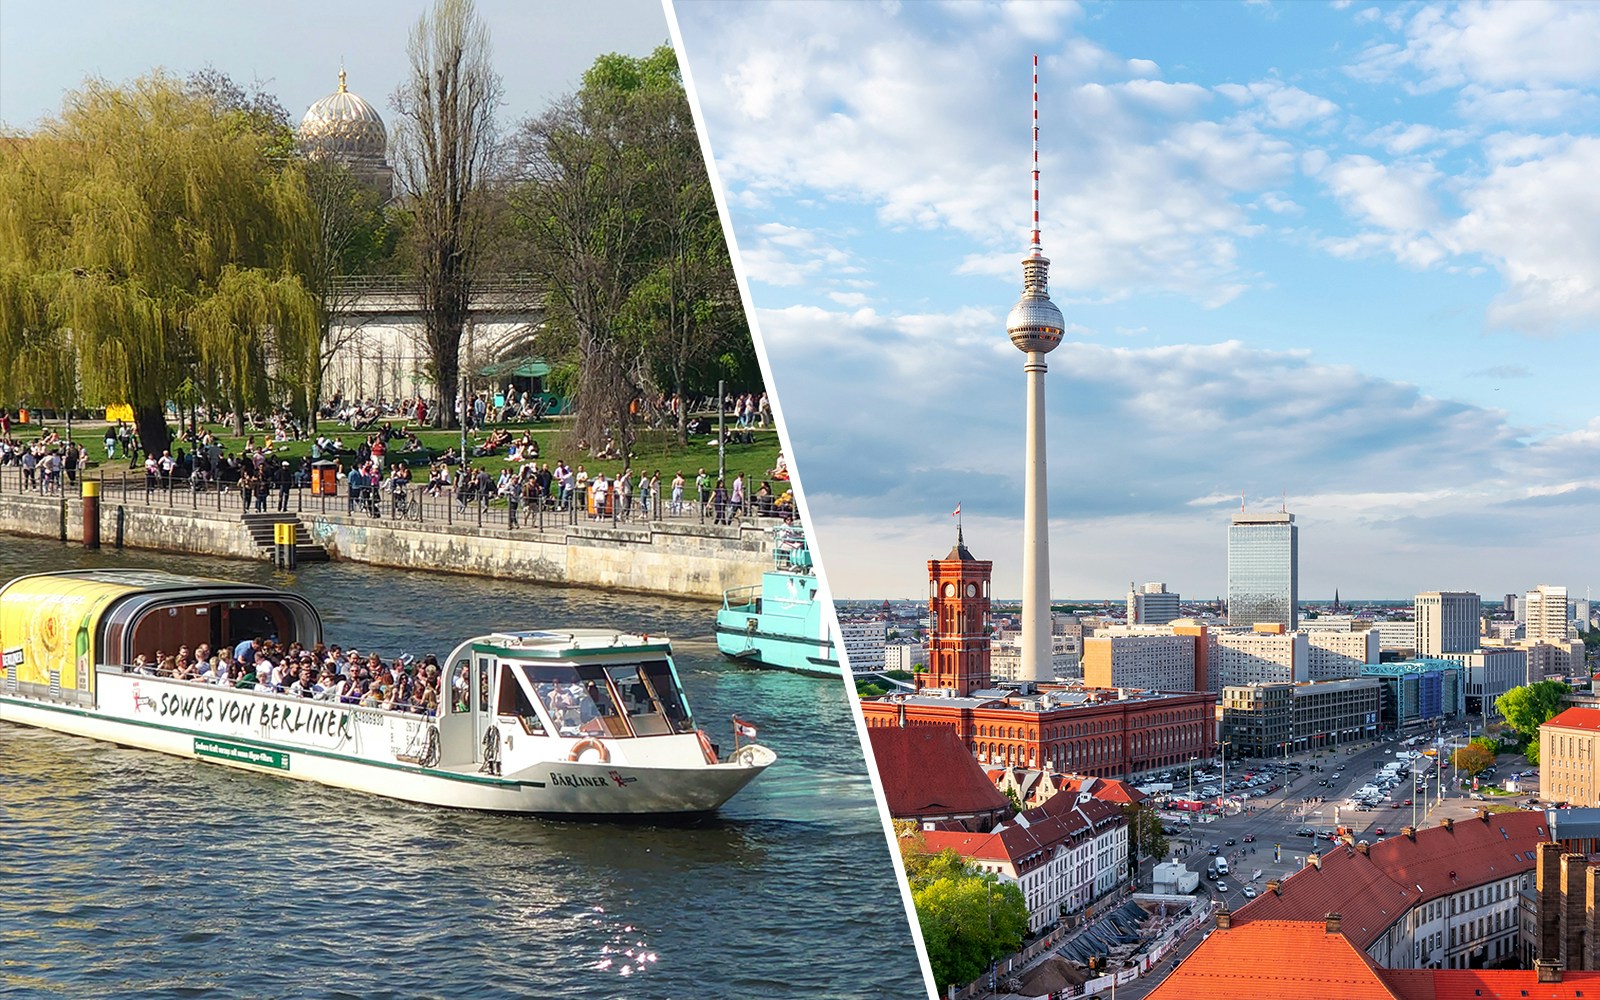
{"type": "Point", "coordinates": [1034, 248]}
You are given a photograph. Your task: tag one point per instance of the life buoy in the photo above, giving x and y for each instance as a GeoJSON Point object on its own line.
{"type": "Point", "coordinates": [706, 747]}
{"type": "Point", "coordinates": [589, 744]}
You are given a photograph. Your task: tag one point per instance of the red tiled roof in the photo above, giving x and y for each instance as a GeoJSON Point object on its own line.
{"type": "Point", "coordinates": [1578, 718]}
{"type": "Point", "coordinates": [1280, 959]}
{"type": "Point", "coordinates": [1109, 789]}
{"type": "Point", "coordinates": [1032, 838]}
{"type": "Point", "coordinates": [1487, 984]}
{"type": "Point", "coordinates": [928, 771]}
{"type": "Point", "coordinates": [1371, 892]}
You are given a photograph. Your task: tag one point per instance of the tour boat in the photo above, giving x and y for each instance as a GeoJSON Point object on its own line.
{"type": "Point", "coordinates": [780, 623]}
{"type": "Point", "coordinates": [589, 722]}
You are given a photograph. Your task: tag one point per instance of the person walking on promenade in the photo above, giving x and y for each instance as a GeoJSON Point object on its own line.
{"type": "Point", "coordinates": [677, 495]}
{"type": "Point", "coordinates": [719, 503]}
{"type": "Point", "coordinates": [285, 480]}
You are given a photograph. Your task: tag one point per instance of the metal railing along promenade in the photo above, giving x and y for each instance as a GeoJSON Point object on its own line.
{"type": "Point", "coordinates": [417, 503]}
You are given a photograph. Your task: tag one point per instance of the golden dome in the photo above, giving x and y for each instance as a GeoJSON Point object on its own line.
{"type": "Point", "coordinates": [343, 125]}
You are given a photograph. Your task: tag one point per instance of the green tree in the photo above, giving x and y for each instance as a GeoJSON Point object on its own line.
{"type": "Point", "coordinates": [1530, 706]}
{"type": "Point", "coordinates": [1144, 831]}
{"type": "Point", "coordinates": [1472, 758]}
{"type": "Point", "coordinates": [120, 224]}
{"type": "Point", "coordinates": [616, 210]}
{"type": "Point", "coordinates": [1489, 744]}
{"type": "Point", "coordinates": [967, 922]}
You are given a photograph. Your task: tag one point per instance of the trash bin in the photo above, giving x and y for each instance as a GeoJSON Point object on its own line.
{"type": "Point", "coordinates": [325, 479]}
{"type": "Point", "coordinates": [22, 415]}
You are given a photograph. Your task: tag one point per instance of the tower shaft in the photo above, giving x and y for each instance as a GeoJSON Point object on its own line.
{"type": "Point", "coordinates": [1036, 646]}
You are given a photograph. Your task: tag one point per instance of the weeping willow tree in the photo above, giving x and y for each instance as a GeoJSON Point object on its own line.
{"type": "Point", "coordinates": [143, 215]}
{"type": "Point", "coordinates": [251, 325]}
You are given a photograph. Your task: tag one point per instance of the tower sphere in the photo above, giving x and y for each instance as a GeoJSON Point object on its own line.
{"type": "Point", "coordinates": [1035, 325]}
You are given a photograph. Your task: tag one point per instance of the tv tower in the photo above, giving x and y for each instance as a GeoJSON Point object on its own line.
{"type": "Point", "coordinates": [1035, 326]}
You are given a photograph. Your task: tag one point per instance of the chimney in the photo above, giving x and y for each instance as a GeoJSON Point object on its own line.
{"type": "Point", "coordinates": [1546, 971]}
{"type": "Point", "coordinates": [1334, 920]}
{"type": "Point", "coordinates": [1409, 832]}
{"type": "Point", "coordinates": [1448, 824]}
{"type": "Point", "coordinates": [1275, 886]}
{"type": "Point", "coordinates": [1224, 917]}
{"type": "Point", "coordinates": [1483, 814]}
{"type": "Point", "coordinates": [1362, 848]}
{"type": "Point", "coordinates": [1314, 860]}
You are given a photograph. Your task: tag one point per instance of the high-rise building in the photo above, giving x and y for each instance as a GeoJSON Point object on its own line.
{"type": "Point", "coordinates": [1447, 622]}
{"type": "Point", "coordinates": [1547, 618]}
{"type": "Point", "coordinates": [1264, 570]}
{"type": "Point", "coordinates": [864, 642]}
{"type": "Point", "coordinates": [1153, 605]}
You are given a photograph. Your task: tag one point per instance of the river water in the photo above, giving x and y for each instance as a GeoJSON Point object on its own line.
{"type": "Point", "coordinates": [128, 872]}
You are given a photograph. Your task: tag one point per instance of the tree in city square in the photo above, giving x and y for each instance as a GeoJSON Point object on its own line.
{"type": "Point", "coordinates": [445, 144]}
{"type": "Point", "coordinates": [124, 225]}
{"type": "Point", "coordinates": [1530, 706]}
{"type": "Point", "coordinates": [1144, 829]}
{"type": "Point", "coordinates": [1473, 759]}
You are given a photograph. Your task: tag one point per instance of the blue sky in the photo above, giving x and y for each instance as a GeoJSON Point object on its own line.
{"type": "Point", "coordinates": [1344, 252]}
{"type": "Point", "coordinates": [295, 46]}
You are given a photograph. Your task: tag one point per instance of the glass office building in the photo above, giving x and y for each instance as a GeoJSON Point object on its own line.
{"type": "Point", "coordinates": [1264, 570]}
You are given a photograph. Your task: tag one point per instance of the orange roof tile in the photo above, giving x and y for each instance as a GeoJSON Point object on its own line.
{"type": "Point", "coordinates": [1488, 984]}
{"type": "Point", "coordinates": [1578, 718]}
{"type": "Point", "coordinates": [1280, 959]}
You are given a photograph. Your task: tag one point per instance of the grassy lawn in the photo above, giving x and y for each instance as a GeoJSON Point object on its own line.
{"type": "Point", "coordinates": [654, 451]}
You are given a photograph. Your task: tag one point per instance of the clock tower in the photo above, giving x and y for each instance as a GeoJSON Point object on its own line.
{"type": "Point", "coordinates": [958, 616]}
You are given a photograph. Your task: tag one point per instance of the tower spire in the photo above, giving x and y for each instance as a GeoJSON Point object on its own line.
{"type": "Point", "coordinates": [1035, 249]}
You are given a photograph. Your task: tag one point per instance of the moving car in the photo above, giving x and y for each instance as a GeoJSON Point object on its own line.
{"type": "Point", "coordinates": [1248, 892]}
{"type": "Point", "coordinates": [1249, 838]}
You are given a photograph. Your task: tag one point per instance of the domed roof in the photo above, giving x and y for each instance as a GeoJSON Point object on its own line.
{"type": "Point", "coordinates": [342, 124]}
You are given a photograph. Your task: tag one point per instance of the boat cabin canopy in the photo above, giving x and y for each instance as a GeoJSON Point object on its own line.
{"type": "Point", "coordinates": [55, 628]}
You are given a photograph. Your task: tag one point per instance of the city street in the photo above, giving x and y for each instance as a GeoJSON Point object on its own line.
{"type": "Point", "coordinates": [1275, 820]}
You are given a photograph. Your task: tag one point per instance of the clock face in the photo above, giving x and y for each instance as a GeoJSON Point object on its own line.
{"type": "Point", "coordinates": [949, 589]}
{"type": "Point", "coordinates": [972, 589]}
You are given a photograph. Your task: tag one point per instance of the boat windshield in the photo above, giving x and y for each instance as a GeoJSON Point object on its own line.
{"type": "Point", "coordinates": [633, 699]}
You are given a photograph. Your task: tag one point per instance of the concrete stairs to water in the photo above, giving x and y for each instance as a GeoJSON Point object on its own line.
{"type": "Point", "coordinates": [260, 526]}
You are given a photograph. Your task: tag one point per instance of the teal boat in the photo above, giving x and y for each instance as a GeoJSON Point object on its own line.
{"type": "Point", "coordinates": [779, 624]}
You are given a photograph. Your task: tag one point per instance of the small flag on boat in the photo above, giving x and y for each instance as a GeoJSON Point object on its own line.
{"type": "Point", "coordinates": [744, 728]}
{"type": "Point", "coordinates": [956, 512]}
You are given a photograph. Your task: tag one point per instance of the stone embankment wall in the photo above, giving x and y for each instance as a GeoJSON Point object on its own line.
{"type": "Point", "coordinates": [687, 560]}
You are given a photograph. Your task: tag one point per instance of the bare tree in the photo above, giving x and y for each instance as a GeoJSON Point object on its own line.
{"type": "Point", "coordinates": [345, 235]}
{"type": "Point", "coordinates": [445, 141]}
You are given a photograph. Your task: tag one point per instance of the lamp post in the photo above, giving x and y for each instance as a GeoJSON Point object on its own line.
{"type": "Point", "coordinates": [1222, 745]}
{"type": "Point", "coordinates": [1192, 759]}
